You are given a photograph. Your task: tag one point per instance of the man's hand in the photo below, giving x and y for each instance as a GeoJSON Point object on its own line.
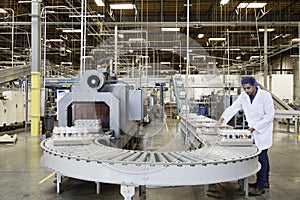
{"type": "Point", "coordinates": [219, 123]}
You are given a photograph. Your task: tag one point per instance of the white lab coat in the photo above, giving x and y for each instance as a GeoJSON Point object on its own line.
{"type": "Point", "coordinates": [259, 115]}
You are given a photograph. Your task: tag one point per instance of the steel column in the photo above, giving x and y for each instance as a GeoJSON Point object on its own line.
{"type": "Point", "coordinates": [35, 68]}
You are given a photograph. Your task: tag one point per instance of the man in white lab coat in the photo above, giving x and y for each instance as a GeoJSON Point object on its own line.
{"type": "Point", "coordinates": [258, 107]}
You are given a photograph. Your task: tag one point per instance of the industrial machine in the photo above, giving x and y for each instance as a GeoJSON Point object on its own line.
{"type": "Point", "coordinates": [97, 98]}
{"type": "Point", "coordinates": [13, 109]}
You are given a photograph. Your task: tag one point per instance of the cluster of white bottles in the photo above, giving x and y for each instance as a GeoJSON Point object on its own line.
{"type": "Point", "coordinates": [60, 133]}
{"type": "Point", "coordinates": [93, 125]}
{"type": "Point", "coordinates": [236, 136]}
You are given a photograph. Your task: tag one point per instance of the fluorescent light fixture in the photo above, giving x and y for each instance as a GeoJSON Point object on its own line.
{"type": "Point", "coordinates": [223, 2]}
{"type": "Point", "coordinates": [255, 57]}
{"type": "Point", "coordinates": [66, 63]}
{"type": "Point", "coordinates": [167, 50]}
{"type": "Point", "coordinates": [2, 10]}
{"type": "Point", "coordinates": [68, 50]}
{"type": "Point", "coordinates": [235, 49]}
{"type": "Point", "coordinates": [243, 5]}
{"type": "Point", "coordinates": [122, 6]}
{"type": "Point", "coordinates": [216, 39]}
{"type": "Point", "coordinates": [54, 40]}
{"type": "Point", "coordinates": [165, 63]}
{"type": "Point", "coordinates": [200, 35]}
{"type": "Point", "coordinates": [99, 2]}
{"type": "Point", "coordinates": [87, 16]}
{"type": "Point", "coordinates": [212, 63]}
{"type": "Point", "coordinates": [71, 30]}
{"type": "Point", "coordinates": [296, 40]}
{"type": "Point", "coordinates": [268, 29]}
{"type": "Point", "coordinates": [164, 71]}
{"type": "Point", "coordinates": [286, 35]}
{"type": "Point", "coordinates": [251, 5]}
{"type": "Point", "coordinates": [171, 29]}
{"type": "Point", "coordinates": [136, 39]}
{"type": "Point", "coordinates": [256, 5]}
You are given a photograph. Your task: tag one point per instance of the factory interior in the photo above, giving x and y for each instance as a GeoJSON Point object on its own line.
{"type": "Point", "coordinates": [119, 99]}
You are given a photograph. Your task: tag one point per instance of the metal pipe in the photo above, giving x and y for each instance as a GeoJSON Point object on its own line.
{"type": "Point", "coordinates": [187, 68]}
{"type": "Point", "coordinates": [81, 39]}
{"type": "Point", "coordinates": [116, 50]}
{"type": "Point", "coordinates": [170, 24]}
{"type": "Point", "coordinates": [84, 37]}
{"type": "Point", "coordinates": [45, 48]}
{"type": "Point", "coordinates": [265, 57]}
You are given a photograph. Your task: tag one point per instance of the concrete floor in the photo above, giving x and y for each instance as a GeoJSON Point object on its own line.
{"type": "Point", "coordinates": [23, 177]}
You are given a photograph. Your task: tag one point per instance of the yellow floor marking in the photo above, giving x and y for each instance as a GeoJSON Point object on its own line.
{"type": "Point", "coordinates": [167, 128]}
{"type": "Point", "coordinates": [45, 179]}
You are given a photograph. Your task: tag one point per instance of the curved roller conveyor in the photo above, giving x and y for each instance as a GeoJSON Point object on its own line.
{"type": "Point", "coordinates": [96, 162]}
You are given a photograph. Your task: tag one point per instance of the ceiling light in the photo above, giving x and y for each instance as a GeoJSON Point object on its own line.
{"type": "Point", "coordinates": [122, 6]}
{"type": "Point", "coordinates": [255, 57]}
{"type": "Point", "coordinates": [212, 63]}
{"type": "Point", "coordinates": [136, 40]}
{"type": "Point", "coordinates": [216, 39]}
{"type": "Point", "coordinates": [199, 57]}
{"type": "Point", "coordinates": [165, 63]}
{"type": "Point", "coordinates": [167, 49]}
{"type": "Point", "coordinates": [242, 5]}
{"type": "Point", "coordinates": [256, 5]}
{"type": "Point", "coordinates": [235, 49]}
{"type": "Point", "coordinates": [223, 2]}
{"type": "Point", "coordinates": [296, 40]}
{"type": "Point", "coordinates": [251, 5]}
{"type": "Point", "coordinates": [99, 2]}
{"type": "Point", "coordinates": [286, 35]}
{"type": "Point", "coordinates": [2, 10]}
{"type": "Point", "coordinates": [200, 35]}
{"type": "Point", "coordinates": [268, 29]}
{"type": "Point", "coordinates": [72, 30]}
{"type": "Point", "coordinates": [171, 29]}
{"type": "Point", "coordinates": [54, 40]}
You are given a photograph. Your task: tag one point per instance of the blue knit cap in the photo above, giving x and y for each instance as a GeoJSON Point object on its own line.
{"type": "Point", "coordinates": [249, 80]}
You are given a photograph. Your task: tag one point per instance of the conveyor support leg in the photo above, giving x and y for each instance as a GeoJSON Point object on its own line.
{"type": "Point", "coordinates": [97, 187]}
{"type": "Point", "coordinates": [244, 186]}
{"type": "Point", "coordinates": [288, 125]}
{"type": "Point", "coordinates": [296, 126]}
{"type": "Point", "coordinates": [142, 192]}
{"type": "Point", "coordinates": [206, 188]}
{"type": "Point", "coordinates": [127, 191]}
{"type": "Point", "coordinates": [58, 182]}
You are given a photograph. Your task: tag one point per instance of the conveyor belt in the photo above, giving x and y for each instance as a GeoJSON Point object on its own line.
{"type": "Point", "coordinates": [129, 168]}
{"type": "Point", "coordinates": [99, 152]}
{"type": "Point", "coordinates": [14, 73]}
